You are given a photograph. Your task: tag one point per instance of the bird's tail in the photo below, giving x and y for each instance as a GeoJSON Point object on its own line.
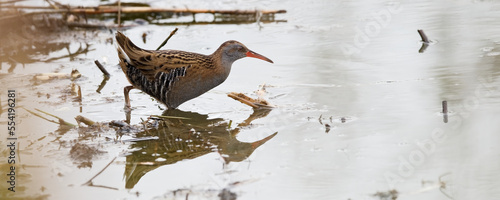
{"type": "Point", "coordinates": [126, 49]}
{"type": "Point", "coordinates": [122, 41]}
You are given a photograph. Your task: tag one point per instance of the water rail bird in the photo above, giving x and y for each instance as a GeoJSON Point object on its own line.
{"type": "Point", "coordinates": [173, 77]}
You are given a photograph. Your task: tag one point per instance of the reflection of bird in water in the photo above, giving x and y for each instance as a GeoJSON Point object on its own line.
{"type": "Point", "coordinates": [188, 135]}
{"type": "Point", "coordinates": [174, 77]}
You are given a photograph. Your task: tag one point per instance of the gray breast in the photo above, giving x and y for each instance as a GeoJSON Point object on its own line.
{"type": "Point", "coordinates": [184, 89]}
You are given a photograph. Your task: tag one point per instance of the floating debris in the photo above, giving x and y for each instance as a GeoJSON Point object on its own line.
{"type": "Point", "coordinates": [83, 152]}
{"type": "Point", "coordinates": [389, 195]}
{"type": "Point", "coordinates": [259, 103]}
{"type": "Point", "coordinates": [50, 76]}
{"type": "Point", "coordinates": [327, 128]}
{"type": "Point", "coordinates": [226, 194]}
{"type": "Point", "coordinates": [254, 103]}
{"type": "Point", "coordinates": [86, 121]}
{"type": "Point", "coordinates": [425, 41]}
{"type": "Point", "coordinates": [343, 120]}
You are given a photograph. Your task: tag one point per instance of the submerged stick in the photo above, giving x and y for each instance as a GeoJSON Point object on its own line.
{"type": "Point", "coordinates": [60, 122]}
{"type": "Point", "coordinates": [169, 117]}
{"type": "Point", "coordinates": [90, 181]}
{"type": "Point", "coordinates": [445, 111]}
{"type": "Point", "coordinates": [254, 103]}
{"type": "Point", "coordinates": [166, 40]}
{"type": "Point", "coordinates": [38, 115]}
{"type": "Point", "coordinates": [423, 36]}
{"type": "Point", "coordinates": [242, 98]}
{"type": "Point", "coordinates": [103, 70]}
{"type": "Point", "coordinates": [141, 139]}
{"type": "Point", "coordinates": [445, 107]}
{"type": "Point", "coordinates": [84, 120]}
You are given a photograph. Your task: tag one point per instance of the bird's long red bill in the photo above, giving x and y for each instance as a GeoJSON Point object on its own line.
{"type": "Point", "coordinates": [256, 55]}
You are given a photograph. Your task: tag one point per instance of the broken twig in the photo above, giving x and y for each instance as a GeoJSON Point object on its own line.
{"type": "Point", "coordinates": [169, 117]}
{"type": "Point", "coordinates": [423, 36]}
{"type": "Point", "coordinates": [254, 103]}
{"type": "Point", "coordinates": [168, 38]}
{"type": "Point", "coordinates": [445, 111]}
{"type": "Point", "coordinates": [103, 70]}
{"type": "Point", "coordinates": [84, 120]}
{"type": "Point", "coordinates": [60, 120]}
{"type": "Point", "coordinates": [89, 182]}
{"type": "Point", "coordinates": [445, 107]}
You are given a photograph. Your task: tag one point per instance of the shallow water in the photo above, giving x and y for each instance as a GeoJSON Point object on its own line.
{"type": "Point", "coordinates": [358, 109]}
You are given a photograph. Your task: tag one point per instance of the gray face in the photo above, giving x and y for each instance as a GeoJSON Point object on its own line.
{"type": "Point", "coordinates": [234, 51]}
{"type": "Point", "coordinates": [231, 51]}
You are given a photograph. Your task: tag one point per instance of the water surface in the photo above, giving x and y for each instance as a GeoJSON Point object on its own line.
{"type": "Point", "coordinates": [358, 108]}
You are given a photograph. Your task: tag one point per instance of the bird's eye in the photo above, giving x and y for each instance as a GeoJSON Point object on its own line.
{"type": "Point", "coordinates": [240, 48]}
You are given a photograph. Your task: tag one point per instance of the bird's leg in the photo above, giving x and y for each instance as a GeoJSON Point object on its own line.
{"type": "Point", "coordinates": [126, 90]}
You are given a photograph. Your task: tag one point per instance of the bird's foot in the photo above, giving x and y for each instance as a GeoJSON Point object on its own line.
{"type": "Point", "coordinates": [127, 108]}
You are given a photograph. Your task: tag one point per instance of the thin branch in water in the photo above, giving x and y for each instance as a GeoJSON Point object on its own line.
{"type": "Point", "coordinates": [61, 121]}
{"type": "Point", "coordinates": [102, 186]}
{"type": "Point", "coordinates": [168, 38]}
{"type": "Point", "coordinates": [86, 121]}
{"type": "Point", "coordinates": [443, 185]}
{"type": "Point", "coordinates": [423, 36]}
{"type": "Point", "coordinates": [103, 70]}
{"type": "Point", "coordinates": [445, 111]}
{"type": "Point", "coordinates": [445, 107]}
{"type": "Point", "coordinates": [53, 5]}
{"type": "Point", "coordinates": [141, 139]}
{"type": "Point", "coordinates": [79, 97]}
{"type": "Point", "coordinates": [89, 182]}
{"type": "Point", "coordinates": [254, 103]}
{"type": "Point", "coordinates": [168, 117]}
{"type": "Point", "coordinates": [38, 115]}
